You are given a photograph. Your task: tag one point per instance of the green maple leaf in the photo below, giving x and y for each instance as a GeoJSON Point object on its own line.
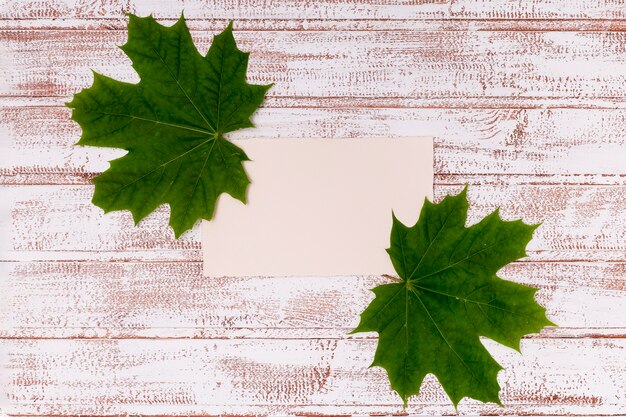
{"type": "Point", "coordinates": [172, 123]}
{"type": "Point", "coordinates": [448, 295]}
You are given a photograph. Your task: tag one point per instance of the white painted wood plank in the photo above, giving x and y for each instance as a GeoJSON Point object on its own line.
{"type": "Point", "coordinates": [173, 299]}
{"type": "Point", "coordinates": [59, 222]}
{"type": "Point", "coordinates": [541, 144]}
{"type": "Point", "coordinates": [320, 24]}
{"type": "Point", "coordinates": [458, 102]}
{"type": "Point", "coordinates": [322, 9]}
{"type": "Point", "coordinates": [397, 65]}
{"type": "Point", "coordinates": [161, 377]}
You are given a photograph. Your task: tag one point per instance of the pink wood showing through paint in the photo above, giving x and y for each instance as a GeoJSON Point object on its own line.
{"type": "Point", "coordinates": [526, 102]}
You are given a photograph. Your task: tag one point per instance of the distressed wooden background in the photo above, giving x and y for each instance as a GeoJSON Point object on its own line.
{"type": "Point", "coordinates": [526, 100]}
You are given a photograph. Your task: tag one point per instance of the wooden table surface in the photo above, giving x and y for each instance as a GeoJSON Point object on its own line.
{"type": "Point", "coordinates": [527, 104]}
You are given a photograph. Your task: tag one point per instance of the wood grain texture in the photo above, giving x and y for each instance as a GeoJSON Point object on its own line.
{"type": "Point", "coordinates": [527, 104]}
{"type": "Point", "coordinates": [322, 9]}
{"type": "Point", "coordinates": [308, 24]}
{"type": "Point", "coordinates": [578, 223]}
{"type": "Point", "coordinates": [394, 64]}
{"type": "Point", "coordinates": [552, 376]}
{"type": "Point", "coordinates": [540, 146]}
{"type": "Point", "coordinates": [174, 300]}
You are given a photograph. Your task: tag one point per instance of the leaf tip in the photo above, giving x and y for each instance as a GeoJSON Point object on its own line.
{"type": "Point", "coordinates": [549, 322]}
{"type": "Point", "coordinates": [97, 77]}
{"type": "Point", "coordinates": [464, 191]}
{"type": "Point", "coordinates": [455, 404]}
{"type": "Point", "coordinates": [355, 330]}
{"type": "Point", "coordinates": [178, 230]}
{"type": "Point", "coordinates": [133, 19]}
{"type": "Point", "coordinates": [181, 22]}
{"type": "Point", "coordinates": [268, 86]}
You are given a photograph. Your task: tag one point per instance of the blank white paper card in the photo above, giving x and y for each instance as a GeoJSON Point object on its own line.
{"type": "Point", "coordinates": [318, 207]}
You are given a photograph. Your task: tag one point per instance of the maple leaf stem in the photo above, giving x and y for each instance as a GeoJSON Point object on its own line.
{"type": "Point", "coordinates": [396, 279]}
